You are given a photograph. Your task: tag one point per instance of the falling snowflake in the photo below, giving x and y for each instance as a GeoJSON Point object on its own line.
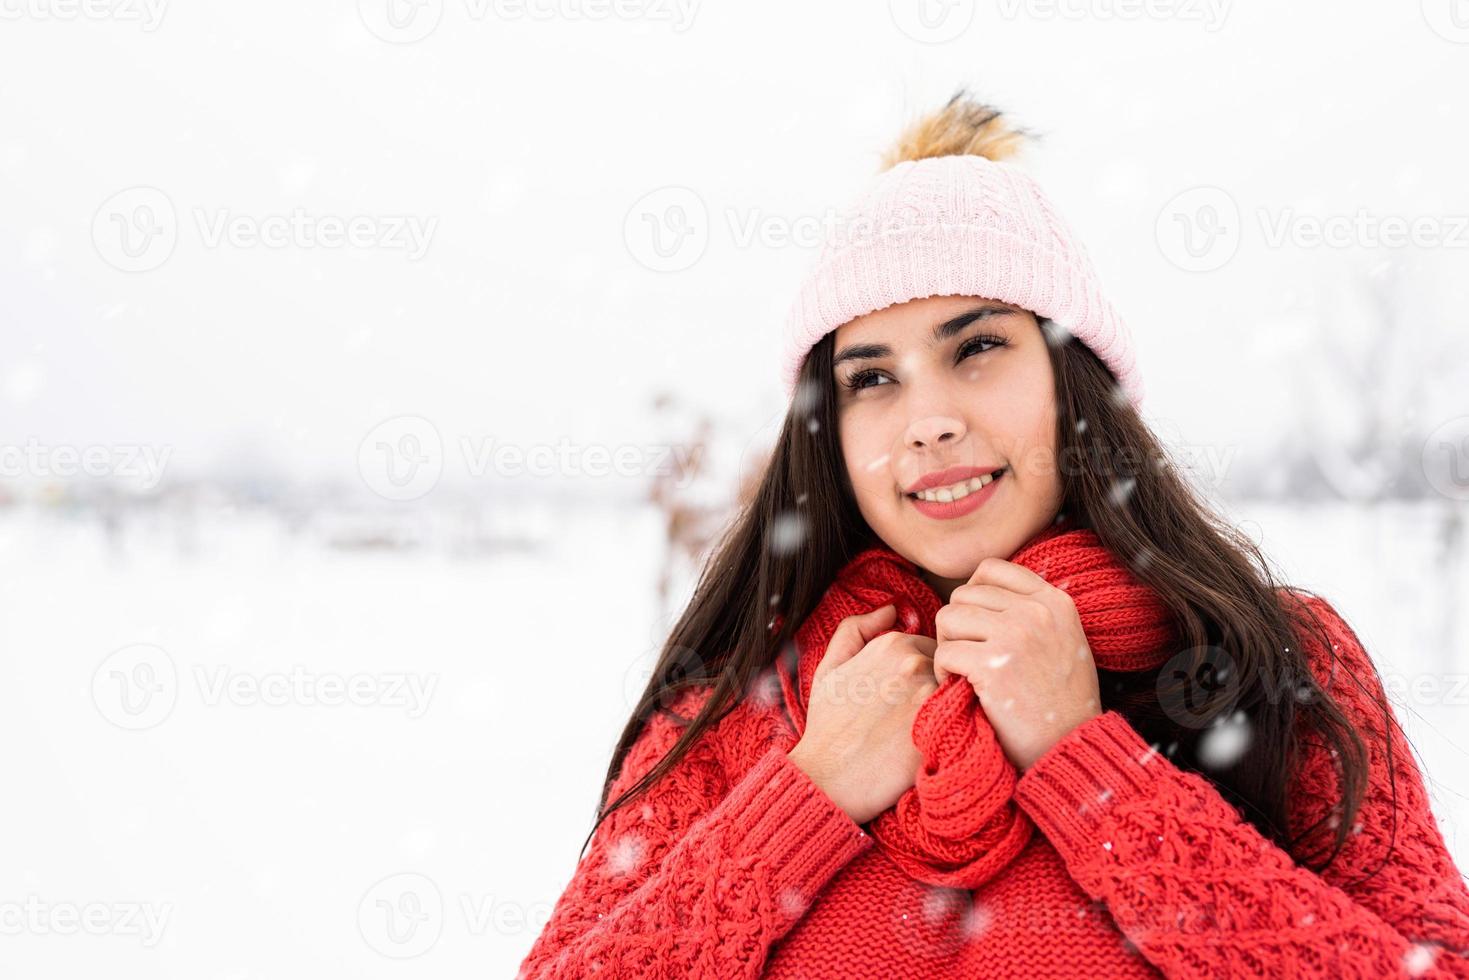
{"type": "Point", "coordinates": [1418, 959]}
{"type": "Point", "coordinates": [787, 533]}
{"type": "Point", "coordinates": [806, 398]}
{"type": "Point", "coordinates": [1056, 334]}
{"type": "Point", "coordinates": [624, 855]}
{"type": "Point", "coordinates": [765, 690]}
{"type": "Point", "coordinates": [1121, 491]}
{"type": "Point", "coordinates": [1223, 744]}
{"type": "Point", "coordinates": [792, 903]}
{"type": "Point", "coordinates": [978, 920]}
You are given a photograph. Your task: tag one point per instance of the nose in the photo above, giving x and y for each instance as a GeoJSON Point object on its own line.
{"type": "Point", "coordinates": [933, 431]}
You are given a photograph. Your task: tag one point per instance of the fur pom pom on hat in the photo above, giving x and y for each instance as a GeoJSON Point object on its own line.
{"type": "Point", "coordinates": [949, 217]}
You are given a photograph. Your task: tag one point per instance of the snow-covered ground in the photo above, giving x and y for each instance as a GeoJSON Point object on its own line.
{"type": "Point", "coordinates": [384, 764]}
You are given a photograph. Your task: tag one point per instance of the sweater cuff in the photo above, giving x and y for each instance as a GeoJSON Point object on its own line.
{"type": "Point", "coordinates": [782, 817]}
{"type": "Point", "coordinates": [1068, 790]}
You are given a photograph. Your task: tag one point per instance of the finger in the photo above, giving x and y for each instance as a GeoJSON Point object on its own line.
{"type": "Point", "coordinates": [972, 660]}
{"type": "Point", "coordinates": [1007, 575]}
{"type": "Point", "coordinates": [963, 621]}
{"type": "Point", "coordinates": [927, 644]}
{"type": "Point", "coordinates": [985, 596]}
{"type": "Point", "coordinates": [854, 633]}
{"type": "Point", "coordinates": [922, 644]}
{"type": "Point", "coordinates": [924, 691]}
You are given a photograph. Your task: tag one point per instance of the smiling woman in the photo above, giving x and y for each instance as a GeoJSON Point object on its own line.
{"type": "Point", "coordinates": [1014, 700]}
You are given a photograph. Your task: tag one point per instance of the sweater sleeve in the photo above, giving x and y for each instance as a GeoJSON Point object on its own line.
{"type": "Point", "coordinates": [702, 875]}
{"type": "Point", "coordinates": [1199, 892]}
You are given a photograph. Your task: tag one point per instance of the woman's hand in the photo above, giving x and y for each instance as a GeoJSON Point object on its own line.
{"type": "Point", "coordinates": [1018, 640]}
{"type": "Point", "coordinates": [858, 744]}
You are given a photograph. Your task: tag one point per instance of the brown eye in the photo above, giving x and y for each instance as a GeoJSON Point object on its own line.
{"type": "Point", "coordinates": [860, 379]}
{"type": "Point", "coordinates": [974, 345]}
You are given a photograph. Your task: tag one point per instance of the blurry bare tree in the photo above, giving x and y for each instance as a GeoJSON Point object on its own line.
{"type": "Point", "coordinates": [690, 525]}
{"type": "Point", "coordinates": [1381, 376]}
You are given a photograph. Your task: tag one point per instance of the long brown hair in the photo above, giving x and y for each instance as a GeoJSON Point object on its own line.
{"type": "Point", "coordinates": [1240, 655]}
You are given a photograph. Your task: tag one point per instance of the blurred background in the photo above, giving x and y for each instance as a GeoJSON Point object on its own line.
{"type": "Point", "coordinates": [373, 377]}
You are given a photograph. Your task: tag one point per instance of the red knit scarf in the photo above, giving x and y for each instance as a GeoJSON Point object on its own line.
{"type": "Point", "coordinates": [958, 826]}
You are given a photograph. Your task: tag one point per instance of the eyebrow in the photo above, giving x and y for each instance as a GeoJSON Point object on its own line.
{"type": "Point", "coordinates": [941, 333]}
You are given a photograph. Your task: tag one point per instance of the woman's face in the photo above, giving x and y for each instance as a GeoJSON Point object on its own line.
{"type": "Point", "coordinates": [941, 383]}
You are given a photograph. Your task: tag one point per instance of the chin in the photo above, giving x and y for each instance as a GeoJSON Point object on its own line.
{"type": "Point", "coordinates": [952, 562]}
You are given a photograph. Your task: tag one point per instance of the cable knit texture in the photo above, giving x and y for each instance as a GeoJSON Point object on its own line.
{"type": "Point", "coordinates": [959, 825]}
{"type": "Point", "coordinates": [736, 864]}
{"type": "Point", "coordinates": [958, 225]}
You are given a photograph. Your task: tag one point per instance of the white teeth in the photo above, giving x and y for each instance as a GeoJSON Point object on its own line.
{"type": "Point", "coordinates": [957, 491]}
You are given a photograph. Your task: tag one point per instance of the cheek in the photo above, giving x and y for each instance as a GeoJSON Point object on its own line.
{"type": "Point", "coordinates": [866, 451]}
{"type": "Point", "coordinates": [1029, 414]}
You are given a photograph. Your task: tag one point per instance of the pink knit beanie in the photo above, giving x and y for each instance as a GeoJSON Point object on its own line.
{"type": "Point", "coordinates": [951, 219]}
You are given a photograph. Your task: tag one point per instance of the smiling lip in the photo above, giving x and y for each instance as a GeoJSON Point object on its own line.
{"type": "Point", "coordinates": [942, 478]}
{"type": "Point", "coordinates": [964, 505]}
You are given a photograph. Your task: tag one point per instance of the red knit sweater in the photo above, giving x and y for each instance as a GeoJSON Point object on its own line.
{"type": "Point", "coordinates": [737, 865]}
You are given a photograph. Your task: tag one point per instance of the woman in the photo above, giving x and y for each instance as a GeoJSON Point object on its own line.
{"type": "Point", "coordinates": [976, 686]}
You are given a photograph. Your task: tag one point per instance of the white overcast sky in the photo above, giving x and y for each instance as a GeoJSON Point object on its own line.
{"type": "Point", "coordinates": [529, 139]}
